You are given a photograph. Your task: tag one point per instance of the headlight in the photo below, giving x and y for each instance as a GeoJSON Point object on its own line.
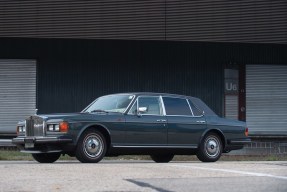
{"type": "Point", "coordinates": [21, 129]}
{"type": "Point", "coordinates": [57, 127]}
{"type": "Point", "coordinates": [60, 127]}
{"type": "Point", "coordinates": [51, 127]}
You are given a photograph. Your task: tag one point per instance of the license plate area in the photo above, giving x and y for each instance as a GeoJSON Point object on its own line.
{"type": "Point", "coordinates": [29, 143]}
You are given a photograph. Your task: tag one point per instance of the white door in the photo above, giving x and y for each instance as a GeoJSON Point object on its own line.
{"type": "Point", "coordinates": [266, 99]}
{"type": "Point", "coordinates": [17, 93]}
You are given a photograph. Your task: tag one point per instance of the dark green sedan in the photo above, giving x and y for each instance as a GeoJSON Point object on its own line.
{"type": "Point", "coordinates": [155, 124]}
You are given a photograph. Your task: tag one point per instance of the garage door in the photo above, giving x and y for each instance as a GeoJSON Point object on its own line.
{"type": "Point", "coordinates": [231, 107]}
{"type": "Point", "coordinates": [17, 93]}
{"type": "Point", "coordinates": [266, 99]}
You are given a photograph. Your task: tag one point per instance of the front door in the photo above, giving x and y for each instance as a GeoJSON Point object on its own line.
{"type": "Point", "coordinates": [145, 123]}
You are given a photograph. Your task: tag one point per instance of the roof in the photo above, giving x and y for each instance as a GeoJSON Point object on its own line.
{"type": "Point", "coordinates": [196, 101]}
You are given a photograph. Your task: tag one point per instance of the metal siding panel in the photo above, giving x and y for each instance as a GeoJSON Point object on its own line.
{"type": "Point", "coordinates": [248, 21]}
{"type": "Point", "coordinates": [17, 92]}
{"type": "Point", "coordinates": [266, 101]}
{"type": "Point", "coordinates": [227, 21]}
{"type": "Point", "coordinates": [96, 19]}
{"type": "Point", "coordinates": [86, 70]}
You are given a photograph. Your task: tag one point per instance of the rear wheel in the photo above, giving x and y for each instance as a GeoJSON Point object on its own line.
{"type": "Point", "coordinates": [46, 157]}
{"type": "Point", "coordinates": [91, 147]}
{"type": "Point", "coordinates": [164, 158]}
{"type": "Point", "coordinates": [210, 148]}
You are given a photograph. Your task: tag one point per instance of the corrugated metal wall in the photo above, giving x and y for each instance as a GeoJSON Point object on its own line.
{"type": "Point", "coordinates": [17, 92]}
{"type": "Point", "coordinates": [266, 101]}
{"type": "Point", "coordinates": [95, 69]}
{"type": "Point", "coordinates": [71, 73]}
{"type": "Point", "coordinates": [260, 21]}
{"type": "Point", "coordinates": [104, 19]}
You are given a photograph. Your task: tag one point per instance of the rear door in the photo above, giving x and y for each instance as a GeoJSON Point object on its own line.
{"type": "Point", "coordinates": [185, 122]}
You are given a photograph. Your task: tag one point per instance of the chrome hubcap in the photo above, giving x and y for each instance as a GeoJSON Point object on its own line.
{"type": "Point", "coordinates": [212, 146]}
{"type": "Point", "coordinates": [93, 145]}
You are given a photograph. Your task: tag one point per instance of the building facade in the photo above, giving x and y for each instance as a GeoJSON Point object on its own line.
{"type": "Point", "coordinates": [59, 55]}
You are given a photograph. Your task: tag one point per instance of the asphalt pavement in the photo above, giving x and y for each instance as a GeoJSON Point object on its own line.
{"type": "Point", "coordinates": [115, 175]}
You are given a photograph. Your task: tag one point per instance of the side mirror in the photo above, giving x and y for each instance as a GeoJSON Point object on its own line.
{"type": "Point", "coordinates": [141, 110]}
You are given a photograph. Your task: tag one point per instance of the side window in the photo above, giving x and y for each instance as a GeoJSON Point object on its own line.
{"type": "Point", "coordinates": [176, 106]}
{"type": "Point", "coordinates": [195, 110]}
{"type": "Point", "coordinates": [152, 105]}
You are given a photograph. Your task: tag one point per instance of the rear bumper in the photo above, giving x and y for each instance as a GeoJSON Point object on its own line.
{"type": "Point", "coordinates": [239, 141]}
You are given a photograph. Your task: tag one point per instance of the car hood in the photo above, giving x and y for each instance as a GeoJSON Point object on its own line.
{"type": "Point", "coordinates": [77, 116]}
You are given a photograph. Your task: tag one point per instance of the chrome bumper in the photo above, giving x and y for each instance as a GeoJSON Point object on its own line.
{"type": "Point", "coordinates": [239, 141]}
{"type": "Point", "coordinates": [40, 140]}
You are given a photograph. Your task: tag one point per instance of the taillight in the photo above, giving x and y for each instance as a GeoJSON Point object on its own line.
{"type": "Point", "coordinates": [246, 132]}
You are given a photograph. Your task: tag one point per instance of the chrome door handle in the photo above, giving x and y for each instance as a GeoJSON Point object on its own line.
{"type": "Point", "coordinates": [200, 121]}
{"type": "Point", "coordinates": [160, 120]}
{"type": "Point", "coordinates": [163, 120]}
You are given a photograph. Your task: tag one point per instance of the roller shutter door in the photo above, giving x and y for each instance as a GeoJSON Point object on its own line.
{"type": "Point", "coordinates": [231, 107]}
{"type": "Point", "coordinates": [17, 93]}
{"type": "Point", "coordinates": [266, 99]}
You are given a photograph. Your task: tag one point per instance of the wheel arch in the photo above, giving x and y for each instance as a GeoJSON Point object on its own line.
{"type": "Point", "coordinates": [216, 131]}
{"type": "Point", "coordinates": [98, 127]}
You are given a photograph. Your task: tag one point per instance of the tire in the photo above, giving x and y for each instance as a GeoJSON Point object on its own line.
{"type": "Point", "coordinates": [164, 158]}
{"type": "Point", "coordinates": [91, 147]}
{"type": "Point", "coordinates": [46, 157]}
{"type": "Point", "coordinates": [210, 149]}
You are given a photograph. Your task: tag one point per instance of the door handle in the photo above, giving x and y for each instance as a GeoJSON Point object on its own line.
{"type": "Point", "coordinates": [160, 120]}
{"type": "Point", "coordinates": [200, 121]}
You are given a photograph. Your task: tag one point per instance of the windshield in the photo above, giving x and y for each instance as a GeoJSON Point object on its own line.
{"type": "Point", "coordinates": [110, 103]}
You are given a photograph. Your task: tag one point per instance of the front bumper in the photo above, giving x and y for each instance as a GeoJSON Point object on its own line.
{"type": "Point", "coordinates": [42, 144]}
{"type": "Point", "coordinates": [40, 140]}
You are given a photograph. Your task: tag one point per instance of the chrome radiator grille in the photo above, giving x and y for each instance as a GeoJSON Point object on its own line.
{"type": "Point", "coordinates": [34, 126]}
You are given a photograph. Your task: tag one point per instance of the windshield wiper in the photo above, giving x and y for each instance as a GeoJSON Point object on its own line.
{"type": "Point", "coordinates": [99, 110]}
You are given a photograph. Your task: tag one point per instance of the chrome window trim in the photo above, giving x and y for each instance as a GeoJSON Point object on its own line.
{"type": "Point", "coordinates": [163, 106]}
{"type": "Point", "coordinates": [196, 108]}
{"type": "Point", "coordinates": [134, 96]}
{"type": "Point", "coordinates": [179, 115]}
{"type": "Point", "coordinates": [189, 107]}
{"type": "Point", "coordinates": [129, 103]}
{"type": "Point", "coordinates": [180, 98]}
{"type": "Point", "coordinates": [160, 105]}
{"type": "Point", "coordinates": [129, 112]}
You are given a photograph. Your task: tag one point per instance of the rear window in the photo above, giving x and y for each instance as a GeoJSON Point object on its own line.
{"type": "Point", "coordinates": [195, 110]}
{"type": "Point", "coordinates": [176, 106]}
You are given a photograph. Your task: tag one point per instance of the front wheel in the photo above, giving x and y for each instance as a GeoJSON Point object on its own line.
{"type": "Point", "coordinates": [91, 147]}
{"type": "Point", "coordinates": [210, 148]}
{"type": "Point", "coordinates": [164, 158]}
{"type": "Point", "coordinates": [46, 157]}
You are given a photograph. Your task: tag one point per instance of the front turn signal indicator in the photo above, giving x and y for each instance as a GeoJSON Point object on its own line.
{"type": "Point", "coordinates": [246, 132]}
{"type": "Point", "coordinates": [64, 126]}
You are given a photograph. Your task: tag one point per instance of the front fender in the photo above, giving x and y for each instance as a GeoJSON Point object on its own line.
{"type": "Point", "coordinates": [79, 131]}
